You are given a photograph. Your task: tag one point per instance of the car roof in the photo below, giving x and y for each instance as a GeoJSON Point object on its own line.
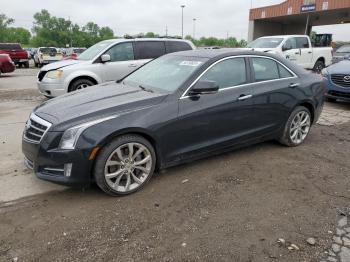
{"type": "Point", "coordinates": [282, 36]}
{"type": "Point", "coordinates": [119, 40]}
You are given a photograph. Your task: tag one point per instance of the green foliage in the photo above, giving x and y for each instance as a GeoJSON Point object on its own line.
{"type": "Point", "coordinates": [213, 41]}
{"type": "Point", "coordinates": [54, 31]}
{"type": "Point", "coordinates": [12, 34]}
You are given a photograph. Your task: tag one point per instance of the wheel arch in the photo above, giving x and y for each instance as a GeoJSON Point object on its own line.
{"type": "Point", "coordinates": [131, 131]}
{"type": "Point", "coordinates": [92, 79]}
{"type": "Point", "coordinates": [309, 105]}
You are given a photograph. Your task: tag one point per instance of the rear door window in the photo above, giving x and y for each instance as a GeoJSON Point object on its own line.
{"type": "Point", "coordinates": [177, 46]}
{"type": "Point", "coordinates": [267, 69]}
{"type": "Point", "coordinates": [149, 49]}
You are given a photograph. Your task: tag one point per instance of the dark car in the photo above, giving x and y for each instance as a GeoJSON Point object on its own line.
{"type": "Point", "coordinates": [175, 109]}
{"type": "Point", "coordinates": [18, 55]}
{"type": "Point", "coordinates": [6, 64]}
{"type": "Point", "coordinates": [337, 78]}
{"type": "Point", "coordinates": [342, 53]}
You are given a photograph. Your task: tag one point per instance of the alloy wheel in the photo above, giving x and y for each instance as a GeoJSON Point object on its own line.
{"type": "Point", "coordinates": [82, 86]}
{"type": "Point", "coordinates": [128, 167]}
{"type": "Point", "coordinates": [300, 127]}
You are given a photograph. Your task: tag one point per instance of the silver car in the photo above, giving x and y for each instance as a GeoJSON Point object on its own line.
{"type": "Point", "coordinates": [109, 60]}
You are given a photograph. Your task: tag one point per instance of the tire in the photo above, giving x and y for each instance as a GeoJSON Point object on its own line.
{"type": "Point", "coordinates": [114, 160]}
{"type": "Point", "coordinates": [319, 65]}
{"type": "Point", "coordinates": [26, 64]}
{"type": "Point", "coordinates": [292, 126]}
{"type": "Point", "coordinates": [36, 64]}
{"type": "Point", "coordinates": [331, 100]}
{"type": "Point", "coordinates": [20, 65]}
{"type": "Point", "coordinates": [80, 84]}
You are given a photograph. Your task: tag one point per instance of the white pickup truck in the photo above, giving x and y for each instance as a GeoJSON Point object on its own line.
{"type": "Point", "coordinates": [296, 48]}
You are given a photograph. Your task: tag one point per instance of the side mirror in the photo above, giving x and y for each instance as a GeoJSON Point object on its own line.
{"type": "Point", "coordinates": [286, 48]}
{"type": "Point", "coordinates": [204, 87]}
{"type": "Point", "coordinates": [105, 58]}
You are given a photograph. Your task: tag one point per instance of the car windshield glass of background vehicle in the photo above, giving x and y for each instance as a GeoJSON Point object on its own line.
{"type": "Point", "coordinates": [266, 43]}
{"type": "Point", "coordinates": [166, 73]}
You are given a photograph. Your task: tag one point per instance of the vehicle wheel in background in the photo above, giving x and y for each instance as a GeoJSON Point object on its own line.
{"type": "Point", "coordinates": [26, 64]}
{"type": "Point", "coordinates": [19, 65]}
{"type": "Point", "coordinates": [80, 84]}
{"type": "Point", "coordinates": [331, 100]}
{"type": "Point", "coordinates": [125, 165]}
{"type": "Point", "coordinates": [297, 127]}
{"type": "Point", "coordinates": [318, 67]}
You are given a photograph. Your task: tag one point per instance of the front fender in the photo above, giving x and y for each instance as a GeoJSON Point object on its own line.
{"type": "Point", "coordinates": [78, 74]}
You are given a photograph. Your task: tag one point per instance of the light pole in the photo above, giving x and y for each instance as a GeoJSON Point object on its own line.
{"type": "Point", "coordinates": [182, 21]}
{"type": "Point", "coordinates": [194, 27]}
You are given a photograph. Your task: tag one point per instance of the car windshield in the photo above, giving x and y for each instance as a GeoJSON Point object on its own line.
{"type": "Point", "coordinates": [344, 49]}
{"type": "Point", "coordinates": [48, 50]}
{"type": "Point", "coordinates": [93, 51]}
{"type": "Point", "coordinates": [166, 73]}
{"type": "Point", "coordinates": [270, 42]}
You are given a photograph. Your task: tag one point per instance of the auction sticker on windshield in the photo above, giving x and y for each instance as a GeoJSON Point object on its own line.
{"type": "Point", "coordinates": [190, 63]}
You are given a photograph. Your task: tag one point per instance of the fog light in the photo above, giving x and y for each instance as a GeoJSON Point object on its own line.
{"type": "Point", "coordinates": [68, 169]}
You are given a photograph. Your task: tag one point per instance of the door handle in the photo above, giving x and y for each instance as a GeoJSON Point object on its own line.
{"type": "Point", "coordinates": [309, 52]}
{"type": "Point", "coordinates": [132, 65]}
{"type": "Point", "coordinates": [244, 97]}
{"type": "Point", "coordinates": [294, 85]}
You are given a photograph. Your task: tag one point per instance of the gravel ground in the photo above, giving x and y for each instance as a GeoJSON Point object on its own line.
{"type": "Point", "coordinates": [261, 203]}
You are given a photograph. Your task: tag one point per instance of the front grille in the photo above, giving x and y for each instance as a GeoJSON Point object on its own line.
{"type": "Point", "coordinates": [339, 94]}
{"type": "Point", "coordinates": [35, 129]}
{"type": "Point", "coordinates": [341, 80]}
{"type": "Point", "coordinates": [41, 75]}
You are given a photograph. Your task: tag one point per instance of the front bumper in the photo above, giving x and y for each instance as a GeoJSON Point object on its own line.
{"type": "Point", "coordinates": [49, 163]}
{"type": "Point", "coordinates": [336, 92]}
{"type": "Point", "coordinates": [50, 87]}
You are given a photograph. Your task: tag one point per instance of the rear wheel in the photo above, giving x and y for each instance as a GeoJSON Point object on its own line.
{"type": "Point", "coordinates": [125, 165]}
{"type": "Point", "coordinates": [26, 64]}
{"type": "Point", "coordinates": [297, 127]}
{"type": "Point", "coordinates": [318, 67]}
{"type": "Point", "coordinates": [80, 84]}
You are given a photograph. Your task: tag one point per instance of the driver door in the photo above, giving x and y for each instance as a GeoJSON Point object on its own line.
{"type": "Point", "coordinates": [122, 62]}
{"type": "Point", "coordinates": [291, 51]}
{"type": "Point", "coordinates": [208, 122]}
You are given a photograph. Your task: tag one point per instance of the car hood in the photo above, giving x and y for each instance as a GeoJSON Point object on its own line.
{"type": "Point", "coordinates": [62, 63]}
{"type": "Point", "coordinates": [343, 67]}
{"type": "Point", "coordinates": [95, 102]}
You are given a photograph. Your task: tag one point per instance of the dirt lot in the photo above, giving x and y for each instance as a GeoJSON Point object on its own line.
{"type": "Point", "coordinates": [232, 207]}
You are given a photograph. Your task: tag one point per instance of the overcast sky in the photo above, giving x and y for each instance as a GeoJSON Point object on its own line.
{"type": "Point", "coordinates": [214, 17]}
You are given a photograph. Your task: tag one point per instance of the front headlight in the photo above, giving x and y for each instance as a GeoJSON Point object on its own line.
{"type": "Point", "coordinates": [324, 72]}
{"type": "Point", "coordinates": [54, 74]}
{"type": "Point", "coordinates": [70, 136]}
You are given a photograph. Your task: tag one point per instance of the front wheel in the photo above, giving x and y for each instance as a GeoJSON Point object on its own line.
{"type": "Point", "coordinates": [297, 127]}
{"type": "Point", "coordinates": [125, 165]}
{"type": "Point", "coordinates": [318, 67]}
{"type": "Point", "coordinates": [80, 84]}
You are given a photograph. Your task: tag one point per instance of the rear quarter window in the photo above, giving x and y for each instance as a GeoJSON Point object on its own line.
{"type": "Point", "coordinates": [177, 46]}
{"type": "Point", "coordinates": [149, 49]}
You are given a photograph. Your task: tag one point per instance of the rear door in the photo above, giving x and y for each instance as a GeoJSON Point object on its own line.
{"type": "Point", "coordinates": [146, 51]}
{"type": "Point", "coordinates": [273, 93]}
{"type": "Point", "coordinates": [213, 121]}
{"type": "Point", "coordinates": [121, 64]}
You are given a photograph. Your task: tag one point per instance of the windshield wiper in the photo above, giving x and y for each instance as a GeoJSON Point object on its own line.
{"type": "Point", "coordinates": [145, 89]}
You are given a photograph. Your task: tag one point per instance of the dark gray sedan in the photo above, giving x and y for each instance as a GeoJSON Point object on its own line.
{"type": "Point", "coordinates": [177, 108]}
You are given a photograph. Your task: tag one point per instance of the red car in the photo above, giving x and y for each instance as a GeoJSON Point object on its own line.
{"type": "Point", "coordinates": [18, 55]}
{"type": "Point", "coordinates": [6, 64]}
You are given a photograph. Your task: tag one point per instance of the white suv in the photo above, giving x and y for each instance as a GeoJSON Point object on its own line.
{"type": "Point", "coordinates": [109, 60]}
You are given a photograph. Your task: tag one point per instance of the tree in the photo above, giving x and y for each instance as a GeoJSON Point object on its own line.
{"type": "Point", "coordinates": [4, 23]}
{"type": "Point", "coordinates": [17, 35]}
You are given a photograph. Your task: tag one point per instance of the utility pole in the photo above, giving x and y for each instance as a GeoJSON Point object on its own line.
{"type": "Point", "coordinates": [194, 28]}
{"type": "Point", "coordinates": [182, 21]}
{"type": "Point", "coordinates": [166, 30]}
